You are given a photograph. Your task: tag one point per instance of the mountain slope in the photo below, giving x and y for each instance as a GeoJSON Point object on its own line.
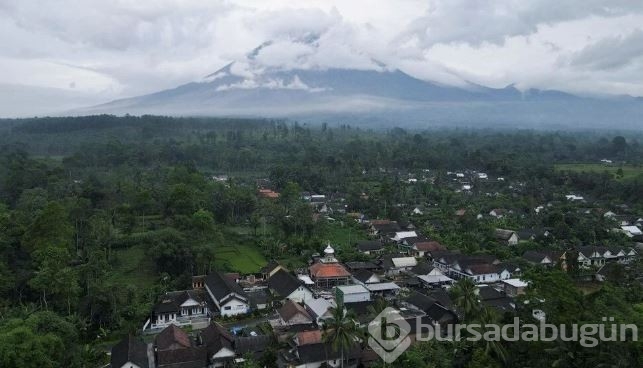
{"type": "Point", "coordinates": [380, 95]}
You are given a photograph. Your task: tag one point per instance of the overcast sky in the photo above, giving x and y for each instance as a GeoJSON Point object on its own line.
{"type": "Point", "coordinates": [68, 53]}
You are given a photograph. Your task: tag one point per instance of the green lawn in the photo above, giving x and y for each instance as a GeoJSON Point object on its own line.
{"type": "Point", "coordinates": [343, 236]}
{"type": "Point", "coordinates": [132, 266]}
{"type": "Point", "coordinates": [242, 258]}
{"type": "Point", "coordinates": [629, 171]}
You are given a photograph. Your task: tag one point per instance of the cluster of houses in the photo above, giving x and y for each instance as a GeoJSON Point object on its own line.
{"type": "Point", "coordinates": [298, 304]}
{"type": "Point", "coordinates": [404, 269]}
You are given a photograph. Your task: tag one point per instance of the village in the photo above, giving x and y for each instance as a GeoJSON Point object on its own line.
{"type": "Point", "coordinates": [279, 313]}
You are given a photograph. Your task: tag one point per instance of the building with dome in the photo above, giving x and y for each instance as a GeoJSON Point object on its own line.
{"type": "Point", "coordinates": [327, 272]}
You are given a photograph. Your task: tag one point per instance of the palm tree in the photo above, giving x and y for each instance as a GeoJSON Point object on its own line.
{"type": "Point", "coordinates": [465, 297]}
{"type": "Point", "coordinates": [489, 316]}
{"type": "Point", "coordinates": [340, 330]}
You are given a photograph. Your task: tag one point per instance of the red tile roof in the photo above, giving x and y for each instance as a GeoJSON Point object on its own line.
{"type": "Point", "coordinates": [309, 337]}
{"type": "Point", "coordinates": [328, 270]}
{"type": "Point", "coordinates": [429, 246]}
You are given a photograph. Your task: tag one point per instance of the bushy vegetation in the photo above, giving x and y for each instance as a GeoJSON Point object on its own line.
{"type": "Point", "coordinates": [101, 214]}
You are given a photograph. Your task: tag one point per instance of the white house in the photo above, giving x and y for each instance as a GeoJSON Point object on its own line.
{"type": "Point", "coordinates": [401, 235]}
{"type": "Point", "coordinates": [508, 237]}
{"type": "Point", "coordinates": [181, 308]}
{"type": "Point", "coordinates": [227, 295]}
{"type": "Point", "coordinates": [435, 278]}
{"type": "Point", "coordinates": [283, 285]}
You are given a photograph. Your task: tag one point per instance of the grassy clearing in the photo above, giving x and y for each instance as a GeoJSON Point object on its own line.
{"type": "Point", "coordinates": [344, 235]}
{"type": "Point", "coordinates": [242, 258]}
{"type": "Point", "coordinates": [132, 266]}
{"type": "Point", "coordinates": [629, 171]}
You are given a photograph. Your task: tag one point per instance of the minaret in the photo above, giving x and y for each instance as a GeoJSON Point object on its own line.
{"type": "Point", "coordinates": [329, 255]}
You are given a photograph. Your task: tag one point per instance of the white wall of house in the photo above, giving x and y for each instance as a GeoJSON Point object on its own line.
{"type": "Point", "coordinates": [485, 278]}
{"type": "Point", "coordinates": [233, 307]}
{"type": "Point", "coordinates": [300, 295]}
{"type": "Point", "coordinates": [165, 318]}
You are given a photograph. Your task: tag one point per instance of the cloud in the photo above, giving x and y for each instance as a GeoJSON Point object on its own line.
{"type": "Point", "coordinates": [475, 22]}
{"type": "Point", "coordinates": [611, 53]}
{"type": "Point", "coordinates": [114, 49]}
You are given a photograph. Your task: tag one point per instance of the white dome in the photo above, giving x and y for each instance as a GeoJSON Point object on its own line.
{"type": "Point", "coordinates": [329, 250]}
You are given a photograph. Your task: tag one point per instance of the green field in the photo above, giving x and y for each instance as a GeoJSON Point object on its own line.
{"type": "Point", "coordinates": [242, 258]}
{"type": "Point", "coordinates": [343, 236]}
{"type": "Point", "coordinates": [629, 171]}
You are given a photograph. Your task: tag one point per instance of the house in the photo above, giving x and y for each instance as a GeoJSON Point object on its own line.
{"type": "Point", "coordinates": [420, 249]}
{"type": "Point", "coordinates": [592, 256]}
{"type": "Point", "coordinates": [507, 237]}
{"type": "Point", "coordinates": [631, 231]}
{"type": "Point", "coordinates": [253, 345]}
{"type": "Point", "coordinates": [131, 353]}
{"type": "Point", "coordinates": [270, 269]}
{"type": "Point", "coordinates": [219, 345]}
{"type": "Point", "coordinates": [432, 308]}
{"type": "Point", "coordinates": [508, 270]}
{"type": "Point", "coordinates": [285, 286]}
{"type": "Point", "coordinates": [514, 287]}
{"type": "Point", "coordinates": [320, 309]}
{"type": "Point", "coordinates": [543, 258]}
{"type": "Point", "coordinates": [479, 268]}
{"type": "Point", "coordinates": [346, 294]}
{"type": "Point", "coordinates": [355, 266]}
{"type": "Point", "coordinates": [383, 289]}
{"type": "Point", "coordinates": [383, 228]}
{"type": "Point", "coordinates": [259, 298]}
{"type": "Point", "coordinates": [365, 277]}
{"type": "Point", "coordinates": [401, 235]}
{"type": "Point", "coordinates": [292, 313]}
{"type": "Point", "coordinates": [395, 265]}
{"type": "Point", "coordinates": [435, 278]}
{"type": "Point", "coordinates": [493, 298]}
{"type": "Point", "coordinates": [422, 268]}
{"type": "Point", "coordinates": [175, 349]}
{"type": "Point", "coordinates": [188, 307]}
{"type": "Point", "coordinates": [479, 272]}
{"type": "Point", "coordinates": [370, 247]}
{"type": "Point", "coordinates": [227, 295]}
{"type": "Point", "coordinates": [328, 272]}
{"type": "Point", "coordinates": [310, 351]}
